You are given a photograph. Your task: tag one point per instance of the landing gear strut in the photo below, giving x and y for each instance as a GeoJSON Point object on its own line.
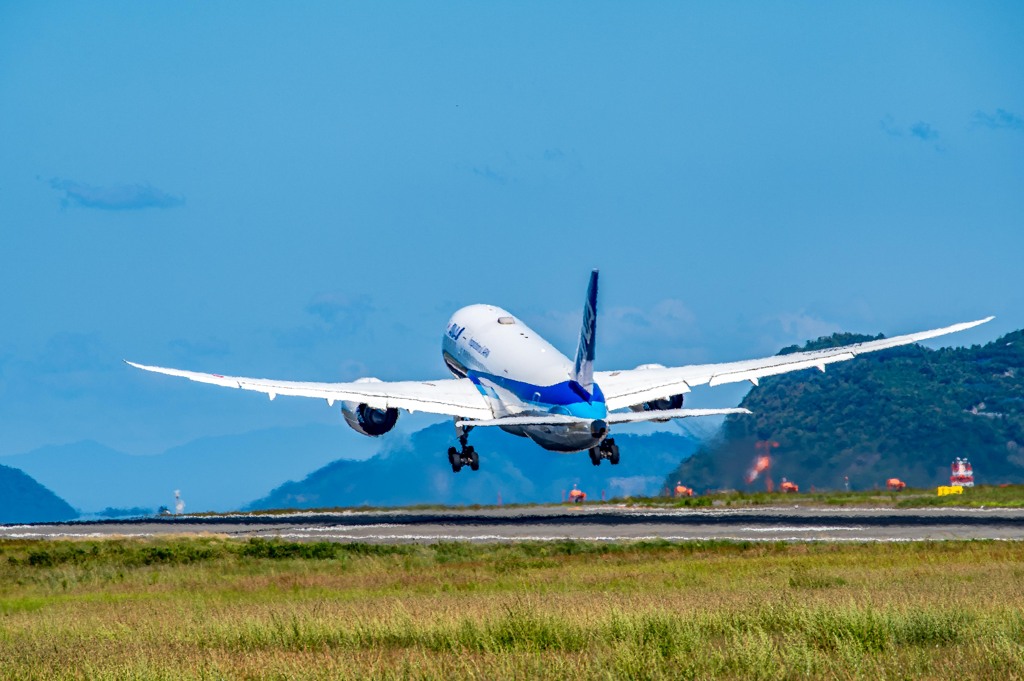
{"type": "Point", "coordinates": [606, 450]}
{"type": "Point", "coordinates": [465, 454]}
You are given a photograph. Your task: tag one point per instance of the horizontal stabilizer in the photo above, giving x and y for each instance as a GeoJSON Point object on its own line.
{"type": "Point", "coordinates": [623, 417]}
{"type": "Point", "coordinates": [665, 414]}
{"type": "Point", "coordinates": [540, 420]}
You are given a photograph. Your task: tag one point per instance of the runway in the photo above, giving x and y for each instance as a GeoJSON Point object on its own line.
{"type": "Point", "coordinates": [548, 523]}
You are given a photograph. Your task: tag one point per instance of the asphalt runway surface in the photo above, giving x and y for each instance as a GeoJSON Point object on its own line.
{"type": "Point", "coordinates": [547, 523]}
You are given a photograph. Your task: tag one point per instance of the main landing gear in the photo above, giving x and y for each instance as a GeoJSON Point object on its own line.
{"type": "Point", "coordinates": [606, 450]}
{"type": "Point", "coordinates": [465, 455]}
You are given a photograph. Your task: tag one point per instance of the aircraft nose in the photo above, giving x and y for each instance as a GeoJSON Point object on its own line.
{"type": "Point", "coordinates": [598, 428]}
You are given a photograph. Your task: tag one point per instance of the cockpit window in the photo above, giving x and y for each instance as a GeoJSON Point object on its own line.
{"type": "Point", "coordinates": [506, 320]}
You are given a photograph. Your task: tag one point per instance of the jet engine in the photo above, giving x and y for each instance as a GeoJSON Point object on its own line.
{"type": "Point", "coordinates": [670, 402]}
{"type": "Point", "coordinates": [368, 420]}
{"type": "Point", "coordinates": [665, 403]}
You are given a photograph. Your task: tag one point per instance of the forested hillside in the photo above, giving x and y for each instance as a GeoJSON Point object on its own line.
{"type": "Point", "coordinates": [906, 412]}
{"type": "Point", "coordinates": [23, 500]}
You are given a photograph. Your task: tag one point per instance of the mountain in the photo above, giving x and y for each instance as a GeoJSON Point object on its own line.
{"type": "Point", "coordinates": [417, 472]}
{"type": "Point", "coordinates": [23, 500]}
{"type": "Point", "coordinates": [215, 474]}
{"type": "Point", "coordinates": [906, 413]}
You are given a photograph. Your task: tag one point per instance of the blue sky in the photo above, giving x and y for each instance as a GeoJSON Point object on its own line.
{"type": "Point", "coordinates": [308, 190]}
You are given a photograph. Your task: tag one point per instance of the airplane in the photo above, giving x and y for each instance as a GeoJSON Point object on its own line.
{"type": "Point", "coordinates": [507, 376]}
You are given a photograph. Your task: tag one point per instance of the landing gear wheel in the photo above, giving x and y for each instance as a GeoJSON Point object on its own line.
{"type": "Point", "coordinates": [606, 450]}
{"type": "Point", "coordinates": [464, 455]}
{"type": "Point", "coordinates": [613, 453]}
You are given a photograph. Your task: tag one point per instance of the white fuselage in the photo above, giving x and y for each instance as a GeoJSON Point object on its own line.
{"type": "Point", "coordinates": [521, 374]}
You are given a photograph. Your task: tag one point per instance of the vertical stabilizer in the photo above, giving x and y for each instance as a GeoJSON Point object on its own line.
{"type": "Point", "coordinates": [583, 369]}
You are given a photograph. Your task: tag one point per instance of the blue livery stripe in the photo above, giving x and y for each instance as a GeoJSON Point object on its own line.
{"type": "Point", "coordinates": [566, 397]}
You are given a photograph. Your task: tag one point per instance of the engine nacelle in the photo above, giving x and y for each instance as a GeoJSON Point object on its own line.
{"type": "Point", "coordinates": [670, 402]}
{"type": "Point", "coordinates": [368, 420]}
{"type": "Point", "coordinates": [664, 404]}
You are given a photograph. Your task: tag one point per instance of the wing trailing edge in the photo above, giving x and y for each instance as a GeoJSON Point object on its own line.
{"type": "Point", "coordinates": [449, 397]}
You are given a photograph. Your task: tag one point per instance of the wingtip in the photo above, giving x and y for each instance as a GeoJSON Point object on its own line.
{"type": "Point", "coordinates": [979, 322]}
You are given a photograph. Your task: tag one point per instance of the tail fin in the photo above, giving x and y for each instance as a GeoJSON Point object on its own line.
{"type": "Point", "coordinates": [583, 369]}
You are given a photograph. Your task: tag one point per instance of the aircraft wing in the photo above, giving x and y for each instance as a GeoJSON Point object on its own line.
{"type": "Point", "coordinates": [636, 386]}
{"type": "Point", "coordinates": [451, 397]}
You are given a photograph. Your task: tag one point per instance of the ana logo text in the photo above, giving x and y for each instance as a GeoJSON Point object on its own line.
{"type": "Point", "coordinates": [455, 331]}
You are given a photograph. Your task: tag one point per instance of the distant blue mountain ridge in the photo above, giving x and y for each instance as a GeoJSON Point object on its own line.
{"type": "Point", "coordinates": [23, 500]}
{"type": "Point", "coordinates": [214, 474]}
{"type": "Point", "coordinates": [513, 470]}
{"type": "Point", "coordinates": [328, 465]}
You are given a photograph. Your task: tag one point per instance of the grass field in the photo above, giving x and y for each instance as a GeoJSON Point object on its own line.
{"type": "Point", "coordinates": [216, 608]}
{"type": "Point", "coordinates": [1009, 496]}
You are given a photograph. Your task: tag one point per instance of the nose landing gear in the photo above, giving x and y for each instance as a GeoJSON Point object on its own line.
{"type": "Point", "coordinates": [606, 450]}
{"type": "Point", "coordinates": [465, 455]}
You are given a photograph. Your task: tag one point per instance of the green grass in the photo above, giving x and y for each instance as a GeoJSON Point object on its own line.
{"type": "Point", "coordinates": [1011, 496]}
{"type": "Point", "coordinates": [817, 498]}
{"type": "Point", "coordinates": [219, 608]}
